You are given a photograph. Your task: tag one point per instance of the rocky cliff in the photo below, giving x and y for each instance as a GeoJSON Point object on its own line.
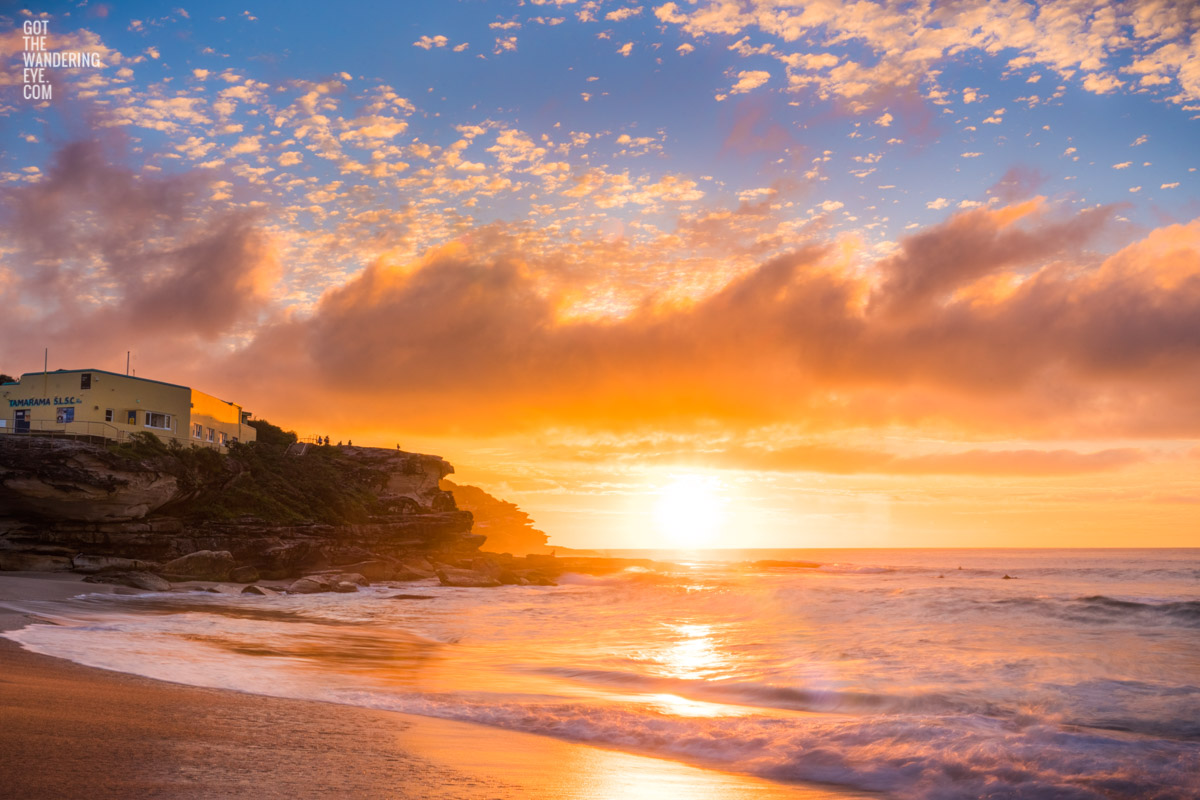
{"type": "Point", "coordinates": [508, 529]}
{"type": "Point", "coordinates": [68, 504]}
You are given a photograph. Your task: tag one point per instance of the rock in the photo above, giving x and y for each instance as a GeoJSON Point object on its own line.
{"type": "Point", "coordinates": [136, 580]}
{"type": "Point", "coordinates": [204, 565]}
{"type": "Point", "coordinates": [33, 562]}
{"type": "Point", "coordinates": [538, 579]}
{"type": "Point", "coordinates": [411, 597]}
{"type": "Point", "coordinates": [352, 577]}
{"type": "Point", "coordinates": [312, 584]}
{"type": "Point", "coordinates": [449, 576]}
{"type": "Point", "coordinates": [243, 574]}
{"type": "Point", "coordinates": [78, 505]}
{"type": "Point", "coordinates": [345, 587]}
{"type": "Point", "coordinates": [407, 573]}
{"type": "Point", "coordinates": [89, 564]}
{"type": "Point", "coordinates": [255, 589]}
{"type": "Point", "coordinates": [374, 570]}
{"type": "Point", "coordinates": [343, 557]}
{"type": "Point", "coordinates": [509, 578]}
{"type": "Point", "coordinates": [67, 479]}
{"type": "Point", "coordinates": [1008, 577]}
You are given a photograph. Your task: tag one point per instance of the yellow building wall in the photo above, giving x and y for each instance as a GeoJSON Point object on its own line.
{"type": "Point", "coordinates": [98, 403]}
{"type": "Point", "coordinates": [216, 416]}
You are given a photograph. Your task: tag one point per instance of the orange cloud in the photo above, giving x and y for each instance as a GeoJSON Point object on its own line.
{"type": "Point", "coordinates": [468, 338]}
{"type": "Point", "coordinates": [996, 322]}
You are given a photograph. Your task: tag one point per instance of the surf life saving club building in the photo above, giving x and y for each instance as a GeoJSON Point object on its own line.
{"type": "Point", "coordinates": [92, 402]}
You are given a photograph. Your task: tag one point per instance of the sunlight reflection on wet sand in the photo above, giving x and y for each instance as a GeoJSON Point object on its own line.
{"type": "Point", "coordinates": [534, 766]}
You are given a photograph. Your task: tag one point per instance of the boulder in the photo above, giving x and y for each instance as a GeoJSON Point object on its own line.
{"type": "Point", "coordinates": [312, 584]}
{"type": "Point", "coordinates": [89, 564]}
{"type": "Point", "coordinates": [411, 597]}
{"type": "Point", "coordinates": [374, 570]}
{"type": "Point", "coordinates": [262, 590]}
{"type": "Point", "coordinates": [352, 577]}
{"type": "Point", "coordinates": [419, 563]}
{"type": "Point", "coordinates": [345, 587]}
{"type": "Point", "coordinates": [449, 576]}
{"type": "Point", "coordinates": [136, 580]}
{"type": "Point", "coordinates": [509, 578]}
{"type": "Point", "coordinates": [204, 565]}
{"type": "Point", "coordinates": [243, 574]}
{"type": "Point", "coordinates": [407, 573]}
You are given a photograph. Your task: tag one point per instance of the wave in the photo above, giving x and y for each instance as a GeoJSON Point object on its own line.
{"type": "Point", "coordinates": [857, 569]}
{"type": "Point", "coordinates": [1187, 611]}
{"type": "Point", "coordinates": [1101, 609]}
{"type": "Point", "coordinates": [928, 757]}
{"type": "Point", "coordinates": [744, 693]}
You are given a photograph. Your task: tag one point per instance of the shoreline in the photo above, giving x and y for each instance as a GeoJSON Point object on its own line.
{"type": "Point", "coordinates": [72, 730]}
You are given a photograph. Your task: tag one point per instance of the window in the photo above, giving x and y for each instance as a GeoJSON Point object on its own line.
{"type": "Point", "coordinates": [65, 414]}
{"type": "Point", "coordinates": [222, 438]}
{"type": "Point", "coordinates": [208, 434]}
{"type": "Point", "coordinates": [197, 430]}
{"type": "Point", "coordinates": [108, 415]}
{"type": "Point", "coordinates": [154, 419]}
{"type": "Point", "coordinates": [131, 417]}
{"type": "Point", "coordinates": [85, 380]}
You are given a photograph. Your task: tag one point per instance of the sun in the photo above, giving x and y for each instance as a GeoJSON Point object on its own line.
{"type": "Point", "coordinates": [690, 511]}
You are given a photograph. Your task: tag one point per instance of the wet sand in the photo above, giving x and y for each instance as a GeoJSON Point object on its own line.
{"type": "Point", "coordinates": [73, 731]}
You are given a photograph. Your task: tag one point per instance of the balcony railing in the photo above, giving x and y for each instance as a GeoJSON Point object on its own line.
{"type": "Point", "coordinates": [90, 431]}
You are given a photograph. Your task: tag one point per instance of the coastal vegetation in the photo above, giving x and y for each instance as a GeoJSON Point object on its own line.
{"type": "Point", "coordinates": [260, 480]}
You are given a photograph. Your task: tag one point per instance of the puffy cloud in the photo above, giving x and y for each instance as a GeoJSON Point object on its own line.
{"type": "Point", "coordinates": [623, 13]}
{"type": "Point", "coordinates": [430, 42]}
{"type": "Point", "coordinates": [1090, 40]}
{"type": "Point", "coordinates": [246, 145]}
{"type": "Point", "coordinates": [1018, 330]}
{"type": "Point", "coordinates": [749, 80]}
{"type": "Point", "coordinates": [105, 256]}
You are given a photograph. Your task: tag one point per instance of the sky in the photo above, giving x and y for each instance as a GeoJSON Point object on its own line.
{"type": "Point", "coordinates": [764, 273]}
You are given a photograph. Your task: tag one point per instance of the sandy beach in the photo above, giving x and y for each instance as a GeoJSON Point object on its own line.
{"type": "Point", "coordinates": [74, 731]}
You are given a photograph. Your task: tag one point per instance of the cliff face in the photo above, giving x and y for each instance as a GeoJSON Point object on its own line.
{"type": "Point", "coordinates": [61, 479]}
{"type": "Point", "coordinates": [508, 529]}
{"type": "Point", "coordinates": [68, 504]}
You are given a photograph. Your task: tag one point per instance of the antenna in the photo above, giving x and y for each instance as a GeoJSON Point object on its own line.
{"type": "Point", "coordinates": [126, 362]}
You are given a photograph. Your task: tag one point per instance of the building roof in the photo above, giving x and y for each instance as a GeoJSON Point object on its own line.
{"type": "Point", "coordinates": [102, 372]}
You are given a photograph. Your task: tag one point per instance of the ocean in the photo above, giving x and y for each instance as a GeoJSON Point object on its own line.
{"type": "Point", "coordinates": [911, 673]}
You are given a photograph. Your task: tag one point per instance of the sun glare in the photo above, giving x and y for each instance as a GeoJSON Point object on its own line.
{"type": "Point", "coordinates": [690, 511]}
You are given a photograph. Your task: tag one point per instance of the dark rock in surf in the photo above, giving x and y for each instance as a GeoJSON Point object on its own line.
{"type": "Point", "coordinates": [202, 565]}
{"type": "Point", "coordinates": [135, 580]}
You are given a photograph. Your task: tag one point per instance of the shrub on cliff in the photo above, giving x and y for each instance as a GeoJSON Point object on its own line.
{"type": "Point", "coordinates": [259, 479]}
{"type": "Point", "coordinates": [262, 480]}
{"type": "Point", "coordinates": [272, 434]}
